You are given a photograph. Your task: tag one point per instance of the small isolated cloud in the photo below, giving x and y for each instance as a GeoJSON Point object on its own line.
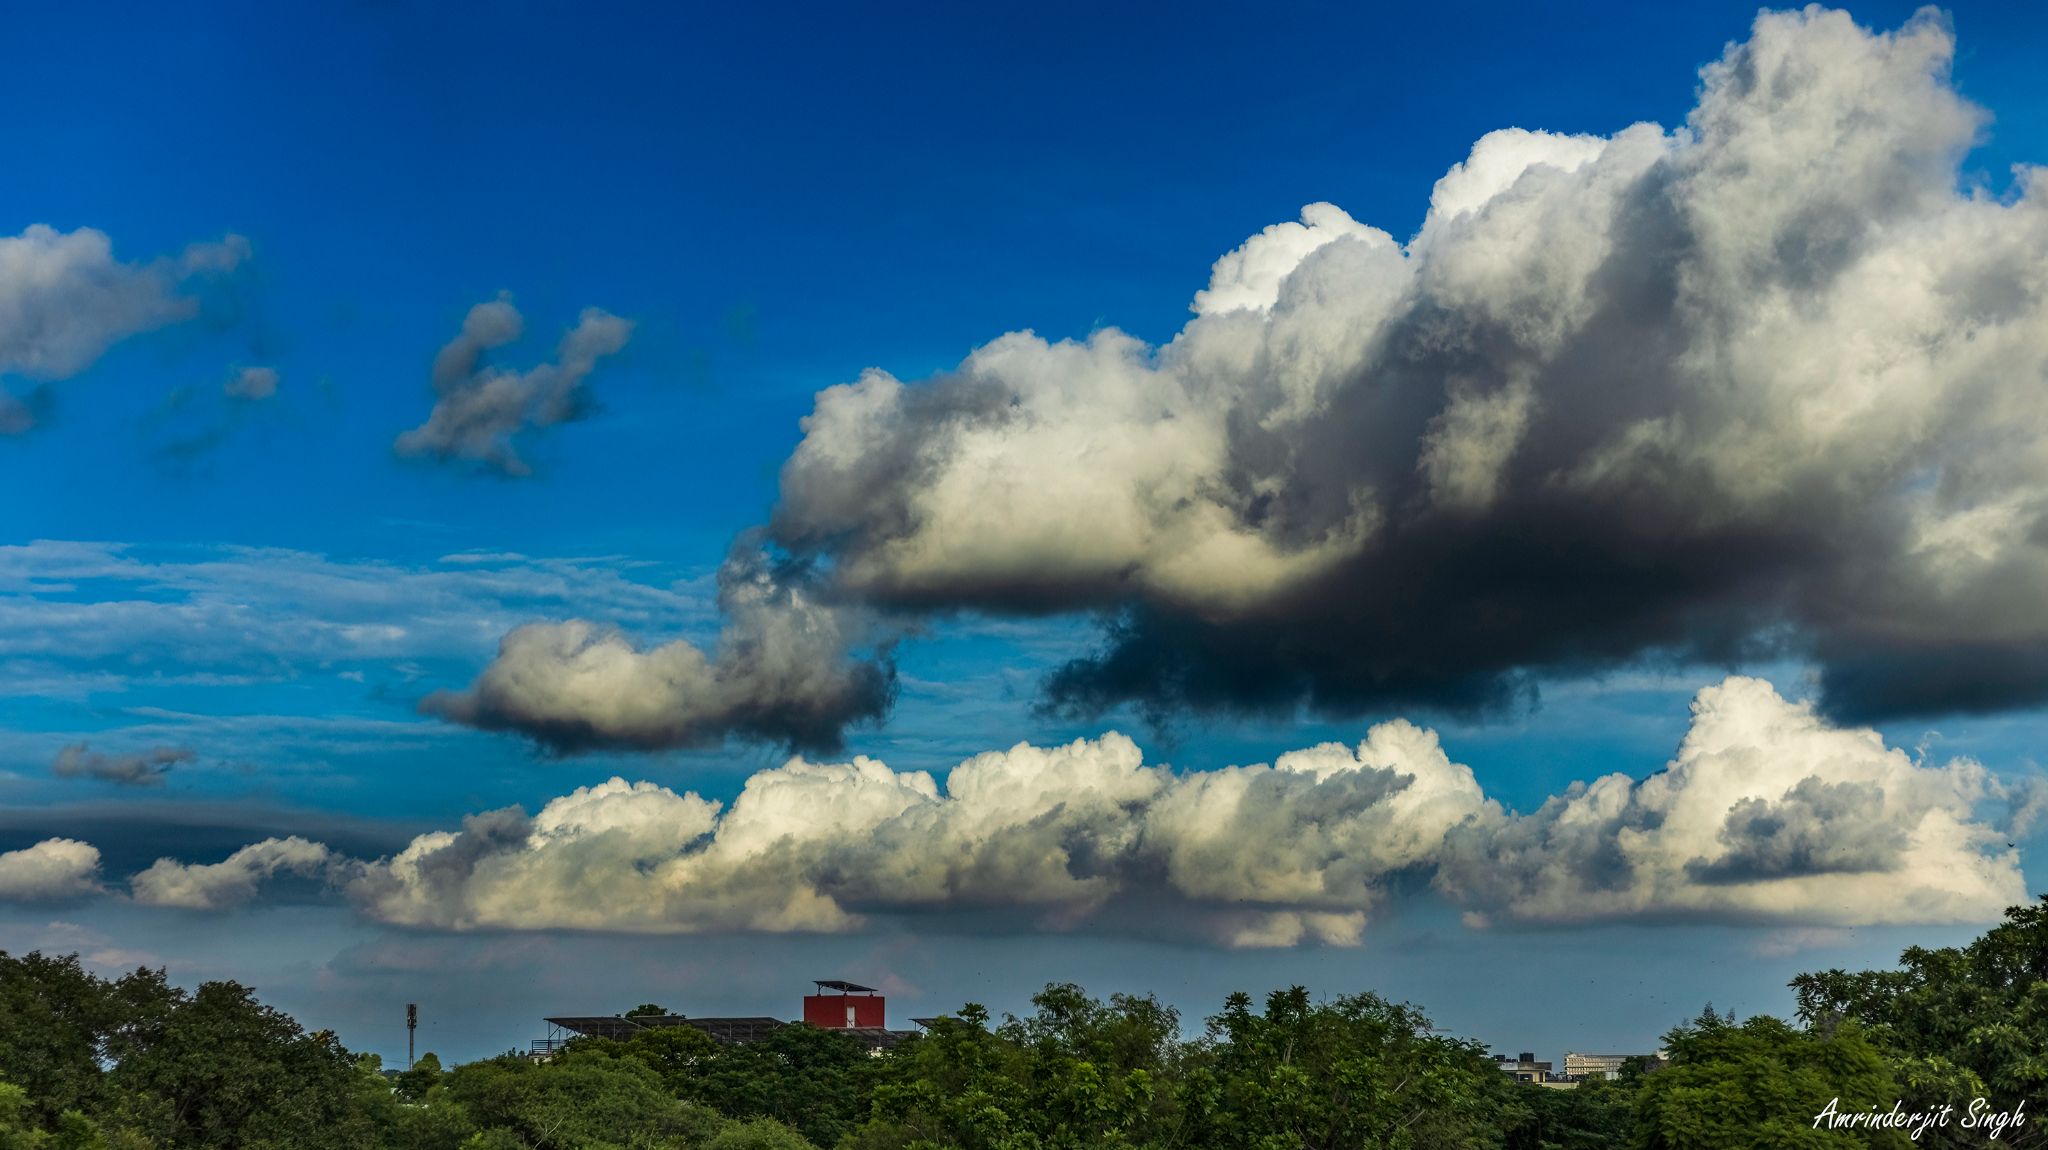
{"type": "Point", "coordinates": [251, 383]}
{"type": "Point", "coordinates": [135, 769]}
{"type": "Point", "coordinates": [49, 871]}
{"type": "Point", "coordinates": [231, 882]}
{"type": "Point", "coordinates": [782, 672]}
{"type": "Point", "coordinates": [191, 429]}
{"type": "Point", "coordinates": [480, 411]}
{"type": "Point", "coordinates": [1768, 814]}
{"type": "Point", "coordinates": [65, 299]}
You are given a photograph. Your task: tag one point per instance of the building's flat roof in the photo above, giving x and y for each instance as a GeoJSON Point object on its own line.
{"type": "Point", "coordinates": [749, 1029]}
{"type": "Point", "coordinates": [846, 987]}
{"type": "Point", "coordinates": [621, 1026]}
{"type": "Point", "coordinates": [873, 1036]}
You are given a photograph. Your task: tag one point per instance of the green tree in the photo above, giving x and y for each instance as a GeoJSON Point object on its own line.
{"type": "Point", "coordinates": [14, 1114]}
{"type": "Point", "coordinates": [1094, 1073]}
{"type": "Point", "coordinates": [1760, 1085]}
{"type": "Point", "coordinates": [54, 1020]}
{"type": "Point", "coordinates": [425, 1074]}
{"type": "Point", "coordinates": [219, 1069]}
{"type": "Point", "coordinates": [579, 1101]}
{"type": "Point", "coordinates": [759, 1134]}
{"type": "Point", "coordinates": [1595, 1115]}
{"type": "Point", "coordinates": [439, 1123]}
{"type": "Point", "coordinates": [1961, 1023]}
{"type": "Point", "coordinates": [960, 1085]}
{"type": "Point", "coordinates": [1354, 1072]}
{"type": "Point", "coordinates": [817, 1081]}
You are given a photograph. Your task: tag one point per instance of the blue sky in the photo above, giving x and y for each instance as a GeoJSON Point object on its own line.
{"type": "Point", "coordinates": [778, 199]}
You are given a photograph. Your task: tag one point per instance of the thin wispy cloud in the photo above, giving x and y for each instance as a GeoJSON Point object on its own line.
{"type": "Point", "coordinates": [155, 614]}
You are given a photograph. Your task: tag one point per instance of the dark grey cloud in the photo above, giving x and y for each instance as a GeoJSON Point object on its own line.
{"type": "Point", "coordinates": [133, 769]}
{"type": "Point", "coordinates": [1768, 385]}
{"type": "Point", "coordinates": [1817, 828]}
{"type": "Point", "coordinates": [481, 411]}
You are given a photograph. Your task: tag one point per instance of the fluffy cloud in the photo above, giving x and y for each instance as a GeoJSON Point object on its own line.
{"type": "Point", "coordinates": [781, 672]}
{"type": "Point", "coordinates": [1768, 814]}
{"type": "Point", "coordinates": [1769, 381]}
{"type": "Point", "coordinates": [136, 769]}
{"type": "Point", "coordinates": [65, 299]}
{"type": "Point", "coordinates": [479, 410]}
{"type": "Point", "coordinates": [50, 870]}
{"type": "Point", "coordinates": [231, 882]}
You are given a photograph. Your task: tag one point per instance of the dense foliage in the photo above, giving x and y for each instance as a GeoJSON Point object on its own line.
{"type": "Point", "coordinates": [134, 1063]}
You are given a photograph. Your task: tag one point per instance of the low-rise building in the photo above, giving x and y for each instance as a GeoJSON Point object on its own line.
{"type": "Point", "coordinates": [1523, 1067]}
{"type": "Point", "coordinates": [858, 1012]}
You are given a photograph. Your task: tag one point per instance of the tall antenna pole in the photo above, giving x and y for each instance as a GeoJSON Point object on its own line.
{"type": "Point", "coordinates": [412, 1023]}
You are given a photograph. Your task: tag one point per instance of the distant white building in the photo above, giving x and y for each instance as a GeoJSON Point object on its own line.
{"type": "Point", "coordinates": [1601, 1065]}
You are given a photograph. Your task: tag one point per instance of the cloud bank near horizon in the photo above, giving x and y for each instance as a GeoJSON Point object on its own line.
{"type": "Point", "coordinates": [1767, 814]}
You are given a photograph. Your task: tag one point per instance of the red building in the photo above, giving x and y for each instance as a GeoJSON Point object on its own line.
{"type": "Point", "coordinates": [844, 1006]}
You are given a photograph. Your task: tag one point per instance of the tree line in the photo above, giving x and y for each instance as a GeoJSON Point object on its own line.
{"type": "Point", "coordinates": [136, 1063]}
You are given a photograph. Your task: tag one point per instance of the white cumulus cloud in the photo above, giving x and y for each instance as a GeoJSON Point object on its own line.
{"type": "Point", "coordinates": [1767, 814]}
{"type": "Point", "coordinates": [50, 870]}
{"type": "Point", "coordinates": [232, 881]}
{"type": "Point", "coordinates": [781, 672]}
